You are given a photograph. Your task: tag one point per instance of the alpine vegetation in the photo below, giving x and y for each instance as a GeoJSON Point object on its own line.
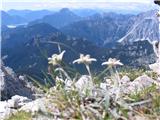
{"type": "Point", "coordinates": [115, 97]}
{"type": "Point", "coordinates": [112, 63]}
{"type": "Point", "coordinates": [78, 96]}
{"type": "Point", "coordinates": [104, 67]}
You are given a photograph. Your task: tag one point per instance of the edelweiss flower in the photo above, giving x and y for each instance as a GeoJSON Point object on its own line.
{"type": "Point", "coordinates": [112, 62]}
{"type": "Point", "coordinates": [56, 58]}
{"type": "Point", "coordinates": [85, 59]}
{"type": "Point", "coordinates": [155, 67]}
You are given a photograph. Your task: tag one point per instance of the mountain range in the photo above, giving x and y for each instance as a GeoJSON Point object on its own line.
{"type": "Point", "coordinates": [30, 15]}
{"type": "Point", "coordinates": [27, 47]}
{"type": "Point", "coordinates": [7, 19]}
{"type": "Point", "coordinates": [59, 19]}
{"type": "Point", "coordinates": [14, 17]}
{"type": "Point", "coordinates": [112, 27]}
{"type": "Point", "coordinates": [145, 27]}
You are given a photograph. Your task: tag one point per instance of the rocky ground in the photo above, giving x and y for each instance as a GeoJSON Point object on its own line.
{"type": "Point", "coordinates": [98, 103]}
{"type": "Point", "coordinates": [110, 95]}
{"type": "Point", "coordinates": [11, 85]}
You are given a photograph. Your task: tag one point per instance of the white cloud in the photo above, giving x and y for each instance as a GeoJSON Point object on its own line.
{"type": "Point", "coordinates": [79, 1]}
{"type": "Point", "coordinates": [57, 4]}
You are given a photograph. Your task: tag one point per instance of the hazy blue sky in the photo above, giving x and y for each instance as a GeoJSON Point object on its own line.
{"type": "Point", "coordinates": [56, 4]}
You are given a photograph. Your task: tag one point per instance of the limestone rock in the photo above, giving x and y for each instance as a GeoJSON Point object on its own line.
{"type": "Point", "coordinates": [17, 101]}
{"type": "Point", "coordinates": [138, 84]}
{"type": "Point", "coordinates": [5, 111]}
{"type": "Point", "coordinates": [124, 80]}
{"type": "Point", "coordinates": [11, 85]}
{"type": "Point", "coordinates": [84, 84]}
{"type": "Point", "coordinates": [103, 86]}
{"type": "Point", "coordinates": [7, 108]}
{"type": "Point", "coordinates": [38, 105]}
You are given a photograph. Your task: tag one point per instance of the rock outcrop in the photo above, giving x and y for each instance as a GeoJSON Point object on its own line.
{"type": "Point", "coordinates": [46, 108]}
{"type": "Point", "coordinates": [9, 107]}
{"type": "Point", "coordinates": [11, 85]}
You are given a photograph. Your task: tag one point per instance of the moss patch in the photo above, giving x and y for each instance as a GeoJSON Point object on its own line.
{"type": "Point", "coordinates": [21, 116]}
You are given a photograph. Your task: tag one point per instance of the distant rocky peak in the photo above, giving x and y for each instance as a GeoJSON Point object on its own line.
{"type": "Point", "coordinates": [64, 10]}
{"type": "Point", "coordinates": [145, 27]}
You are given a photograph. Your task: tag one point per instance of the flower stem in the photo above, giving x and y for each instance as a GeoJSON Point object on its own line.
{"type": "Point", "coordinates": [113, 76]}
{"type": "Point", "coordinates": [116, 80]}
{"type": "Point", "coordinates": [59, 48]}
{"type": "Point", "coordinates": [89, 71]}
{"type": "Point", "coordinates": [118, 95]}
{"type": "Point", "coordinates": [117, 77]}
{"type": "Point", "coordinates": [60, 69]}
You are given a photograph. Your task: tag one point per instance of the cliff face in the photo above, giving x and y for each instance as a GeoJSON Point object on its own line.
{"type": "Point", "coordinates": [144, 27]}
{"type": "Point", "coordinates": [11, 85]}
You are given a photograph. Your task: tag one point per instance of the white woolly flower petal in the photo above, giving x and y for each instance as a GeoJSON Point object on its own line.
{"type": "Point", "coordinates": [85, 59]}
{"type": "Point", "coordinates": [92, 59]}
{"type": "Point", "coordinates": [105, 63]}
{"type": "Point", "coordinates": [56, 58]}
{"type": "Point", "coordinates": [77, 61]}
{"type": "Point", "coordinates": [54, 55]}
{"type": "Point", "coordinates": [60, 56]}
{"type": "Point", "coordinates": [112, 62]}
{"type": "Point", "coordinates": [118, 63]}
